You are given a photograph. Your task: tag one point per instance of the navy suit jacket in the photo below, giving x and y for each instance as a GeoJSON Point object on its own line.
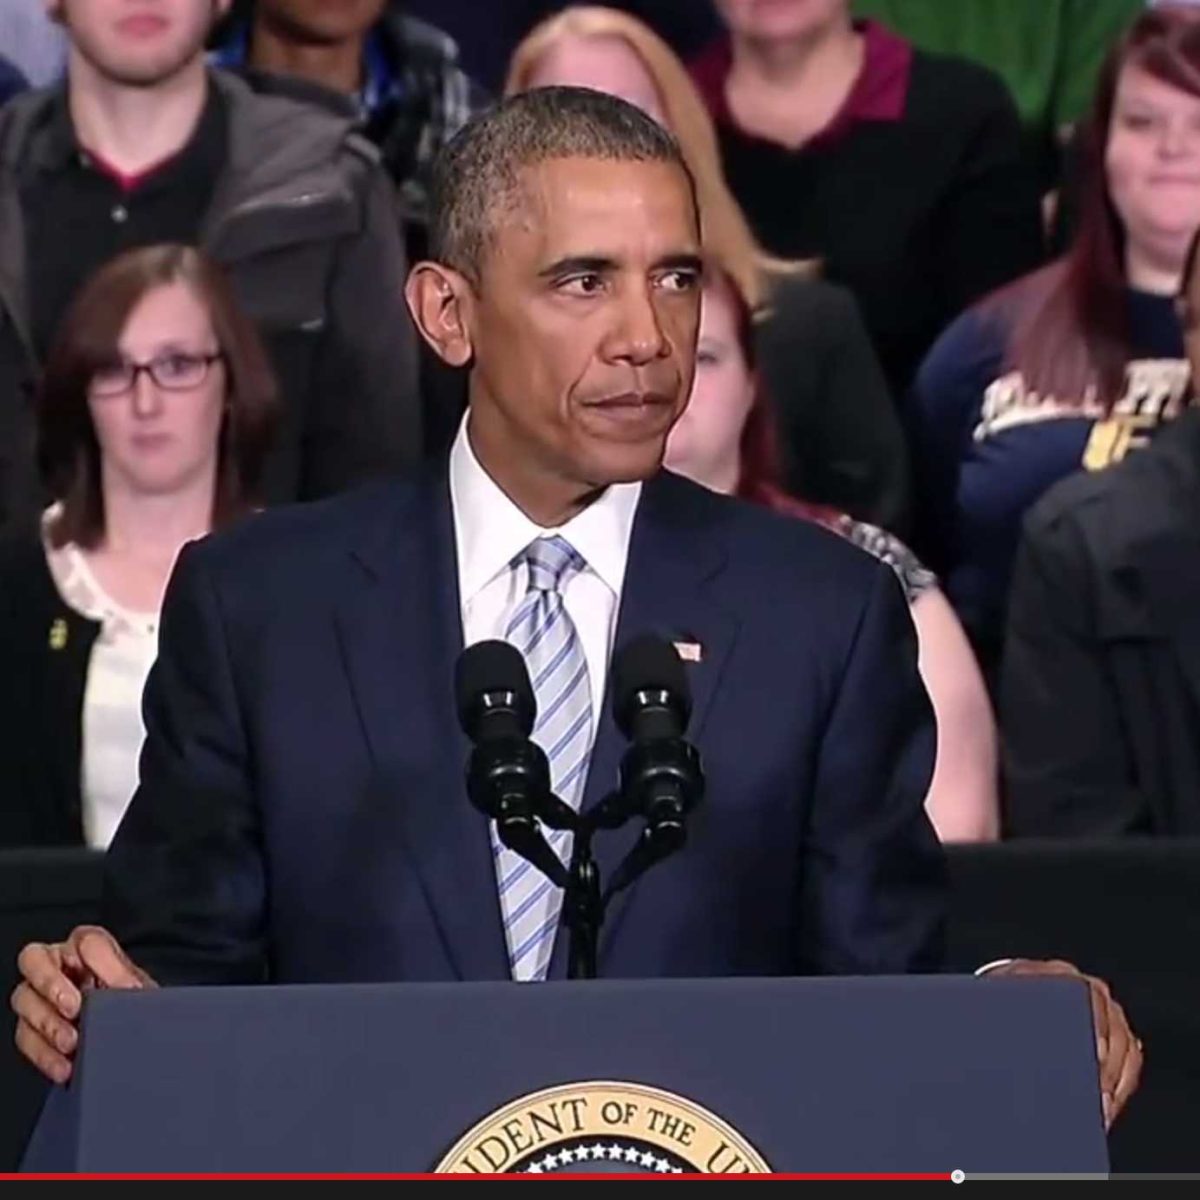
{"type": "Point", "coordinates": [302, 814]}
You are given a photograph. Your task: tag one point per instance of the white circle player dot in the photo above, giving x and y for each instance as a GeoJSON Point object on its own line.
{"type": "Point", "coordinates": [957, 1176]}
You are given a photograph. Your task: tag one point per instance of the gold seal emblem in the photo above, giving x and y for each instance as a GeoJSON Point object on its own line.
{"type": "Point", "coordinates": [602, 1128]}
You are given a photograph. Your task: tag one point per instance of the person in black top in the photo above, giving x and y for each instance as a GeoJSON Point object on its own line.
{"type": "Point", "coordinates": [1100, 695]}
{"type": "Point", "coordinates": [397, 76]}
{"type": "Point", "coordinates": [1075, 365]}
{"type": "Point", "coordinates": [155, 416]}
{"type": "Point", "coordinates": [903, 171]}
{"type": "Point", "coordinates": [142, 145]}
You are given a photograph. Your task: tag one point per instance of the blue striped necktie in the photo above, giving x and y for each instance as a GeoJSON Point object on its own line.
{"type": "Point", "coordinates": [542, 629]}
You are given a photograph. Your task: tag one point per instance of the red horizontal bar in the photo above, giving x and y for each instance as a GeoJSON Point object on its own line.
{"type": "Point", "coordinates": [355, 1175]}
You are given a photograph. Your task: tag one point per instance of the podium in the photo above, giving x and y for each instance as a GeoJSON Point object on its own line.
{"type": "Point", "coordinates": [875, 1074]}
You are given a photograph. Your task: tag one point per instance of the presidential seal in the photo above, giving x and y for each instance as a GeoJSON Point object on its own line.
{"type": "Point", "coordinates": [602, 1129]}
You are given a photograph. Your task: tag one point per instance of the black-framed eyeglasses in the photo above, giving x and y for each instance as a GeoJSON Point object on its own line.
{"type": "Point", "coordinates": [176, 372]}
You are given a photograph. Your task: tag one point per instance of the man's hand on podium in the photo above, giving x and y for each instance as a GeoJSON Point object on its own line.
{"type": "Point", "coordinates": [1118, 1051]}
{"type": "Point", "coordinates": [49, 997]}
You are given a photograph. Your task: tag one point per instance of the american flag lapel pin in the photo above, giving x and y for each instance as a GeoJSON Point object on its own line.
{"type": "Point", "coordinates": [690, 652]}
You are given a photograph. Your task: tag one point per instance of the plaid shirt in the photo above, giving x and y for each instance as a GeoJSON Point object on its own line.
{"type": "Point", "coordinates": [414, 98]}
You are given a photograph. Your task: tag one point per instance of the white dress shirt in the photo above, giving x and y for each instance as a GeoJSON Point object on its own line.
{"type": "Point", "coordinates": [490, 531]}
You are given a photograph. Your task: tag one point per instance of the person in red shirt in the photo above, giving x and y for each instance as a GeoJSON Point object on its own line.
{"type": "Point", "coordinates": [902, 171]}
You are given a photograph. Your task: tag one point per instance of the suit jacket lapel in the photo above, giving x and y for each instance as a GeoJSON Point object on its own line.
{"type": "Point", "coordinates": [400, 630]}
{"type": "Point", "coordinates": [673, 554]}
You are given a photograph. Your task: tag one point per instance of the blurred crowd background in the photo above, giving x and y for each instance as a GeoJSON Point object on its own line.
{"type": "Point", "coordinates": [952, 313]}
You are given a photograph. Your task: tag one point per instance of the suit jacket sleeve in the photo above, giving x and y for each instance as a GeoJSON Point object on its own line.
{"type": "Point", "coordinates": [185, 885]}
{"type": "Point", "coordinates": [873, 876]}
{"type": "Point", "coordinates": [365, 411]}
{"type": "Point", "coordinates": [1067, 771]}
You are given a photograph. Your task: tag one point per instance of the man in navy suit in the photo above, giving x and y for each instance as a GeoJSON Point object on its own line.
{"type": "Point", "coordinates": [302, 814]}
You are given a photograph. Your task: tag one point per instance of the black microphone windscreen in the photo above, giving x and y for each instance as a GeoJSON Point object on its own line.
{"type": "Point", "coordinates": [648, 663]}
{"type": "Point", "coordinates": [490, 669]}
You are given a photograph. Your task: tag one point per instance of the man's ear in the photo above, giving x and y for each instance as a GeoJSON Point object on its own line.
{"type": "Point", "coordinates": [439, 299]}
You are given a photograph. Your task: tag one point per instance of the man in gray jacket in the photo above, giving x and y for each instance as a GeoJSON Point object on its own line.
{"type": "Point", "coordinates": [145, 144]}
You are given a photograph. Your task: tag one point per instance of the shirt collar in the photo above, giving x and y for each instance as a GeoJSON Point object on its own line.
{"type": "Point", "coordinates": [490, 530]}
{"type": "Point", "coordinates": [201, 158]}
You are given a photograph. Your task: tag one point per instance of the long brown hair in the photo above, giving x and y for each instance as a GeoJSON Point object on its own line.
{"type": "Point", "coordinates": [1070, 321]}
{"type": "Point", "coordinates": [88, 338]}
{"type": "Point", "coordinates": [725, 231]}
{"type": "Point", "coordinates": [760, 475]}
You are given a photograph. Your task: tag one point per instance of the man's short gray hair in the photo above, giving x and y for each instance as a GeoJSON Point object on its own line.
{"type": "Point", "coordinates": [479, 169]}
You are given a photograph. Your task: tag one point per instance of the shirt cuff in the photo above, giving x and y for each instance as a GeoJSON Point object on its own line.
{"type": "Point", "coordinates": [991, 966]}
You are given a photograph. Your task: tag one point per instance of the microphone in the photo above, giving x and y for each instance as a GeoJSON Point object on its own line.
{"type": "Point", "coordinates": [651, 699]}
{"type": "Point", "coordinates": [661, 776]}
{"type": "Point", "coordinates": [508, 777]}
{"type": "Point", "coordinates": [493, 693]}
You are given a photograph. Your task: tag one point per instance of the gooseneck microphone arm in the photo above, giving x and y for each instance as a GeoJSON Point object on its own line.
{"type": "Point", "coordinates": [508, 780]}
{"type": "Point", "coordinates": [508, 777]}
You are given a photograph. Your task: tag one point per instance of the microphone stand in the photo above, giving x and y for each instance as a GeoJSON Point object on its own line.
{"type": "Point", "coordinates": [582, 905]}
{"type": "Point", "coordinates": [585, 902]}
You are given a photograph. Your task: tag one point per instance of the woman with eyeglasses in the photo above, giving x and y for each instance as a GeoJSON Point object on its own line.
{"type": "Point", "coordinates": [154, 416]}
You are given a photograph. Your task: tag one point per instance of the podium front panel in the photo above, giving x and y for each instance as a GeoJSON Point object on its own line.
{"type": "Point", "coordinates": [914, 1074]}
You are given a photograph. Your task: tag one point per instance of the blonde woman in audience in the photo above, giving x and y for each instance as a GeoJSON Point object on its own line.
{"type": "Point", "coordinates": [725, 441]}
{"type": "Point", "coordinates": [841, 440]}
{"type": "Point", "coordinates": [155, 414]}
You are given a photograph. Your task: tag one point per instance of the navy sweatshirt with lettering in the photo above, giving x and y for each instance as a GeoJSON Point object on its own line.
{"type": "Point", "coordinates": [986, 447]}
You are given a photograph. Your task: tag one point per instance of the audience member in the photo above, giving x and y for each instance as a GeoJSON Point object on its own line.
{"type": "Point", "coordinates": [903, 171]}
{"type": "Point", "coordinates": [1073, 365]}
{"type": "Point", "coordinates": [485, 34]}
{"type": "Point", "coordinates": [724, 440]}
{"type": "Point", "coordinates": [31, 41]}
{"type": "Point", "coordinates": [146, 145]}
{"type": "Point", "coordinates": [1101, 681]}
{"type": "Point", "coordinates": [841, 439]}
{"type": "Point", "coordinates": [154, 417]}
{"type": "Point", "coordinates": [11, 80]}
{"type": "Point", "coordinates": [398, 76]}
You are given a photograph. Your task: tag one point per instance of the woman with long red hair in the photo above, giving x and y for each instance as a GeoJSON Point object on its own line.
{"type": "Point", "coordinates": [725, 440]}
{"type": "Point", "coordinates": [1071, 367]}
